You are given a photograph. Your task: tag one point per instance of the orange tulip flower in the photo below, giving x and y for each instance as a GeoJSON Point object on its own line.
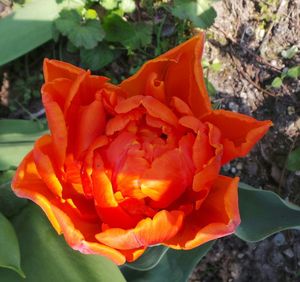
{"type": "Point", "coordinates": [133, 165]}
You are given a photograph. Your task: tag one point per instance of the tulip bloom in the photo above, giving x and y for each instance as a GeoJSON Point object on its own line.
{"type": "Point", "coordinates": [133, 165]}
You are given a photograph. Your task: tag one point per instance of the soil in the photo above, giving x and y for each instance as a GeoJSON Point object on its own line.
{"type": "Point", "coordinates": [251, 59]}
{"type": "Point", "coordinates": [247, 40]}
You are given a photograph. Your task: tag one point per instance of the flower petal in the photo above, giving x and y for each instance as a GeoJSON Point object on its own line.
{"type": "Point", "coordinates": [56, 69]}
{"type": "Point", "coordinates": [239, 132]}
{"type": "Point", "coordinates": [41, 154]}
{"type": "Point", "coordinates": [207, 156]}
{"type": "Point", "coordinates": [163, 226]}
{"type": "Point", "coordinates": [90, 124]}
{"type": "Point", "coordinates": [159, 110]}
{"type": "Point", "coordinates": [181, 107]}
{"type": "Point", "coordinates": [168, 177]}
{"type": "Point", "coordinates": [181, 73]}
{"type": "Point", "coordinates": [106, 204]}
{"type": "Point", "coordinates": [65, 218]}
{"type": "Point", "coordinates": [218, 216]}
{"type": "Point", "coordinates": [56, 123]}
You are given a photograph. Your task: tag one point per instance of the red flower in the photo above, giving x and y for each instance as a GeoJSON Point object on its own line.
{"type": "Point", "coordinates": [134, 165]}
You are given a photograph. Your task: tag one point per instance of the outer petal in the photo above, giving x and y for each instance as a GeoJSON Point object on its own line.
{"type": "Point", "coordinates": [218, 216]}
{"type": "Point", "coordinates": [56, 69]}
{"type": "Point", "coordinates": [41, 154]}
{"type": "Point", "coordinates": [64, 216]}
{"type": "Point", "coordinates": [163, 226]}
{"type": "Point", "coordinates": [239, 132]}
{"type": "Point", "coordinates": [56, 122]}
{"type": "Point", "coordinates": [180, 71]}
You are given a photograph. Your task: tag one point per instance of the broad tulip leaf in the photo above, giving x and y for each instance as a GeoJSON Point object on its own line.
{"type": "Point", "coordinates": [149, 259]}
{"type": "Point", "coordinates": [16, 140]}
{"type": "Point", "coordinates": [175, 266]}
{"type": "Point", "coordinates": [264, 213]}
{"type": "Point", "coordinates": [293, 163]}
{"type": "Point", "coordinates": [9, 247]}
{"type": "Point", "coordinates": [9, 203]}
{"type": "Point", "coordinates": [46, 257]}
{"type": "Point", "coordinates": [27, 28]}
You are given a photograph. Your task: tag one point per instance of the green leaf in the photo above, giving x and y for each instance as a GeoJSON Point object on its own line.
{"type": "Point", "coordinates": [200, 12]}
{"type": "Point", "coordinates": [9, 247]}
{"type": "Point", "coordinates": [293, 162]}
{"type": "Point", "coordinates": [289, 53]}
{"type": "Point", "coordinates": [294, 72]}
{"type": "Point", "coordinates": [128, 6]}
{"type": "Point", "coordinates": [264, 213]}
{"type": "Point", "coordinates": [91, 14]}
{"type": "Point", "coordinates": [277, 82]}
{"type": "Point", "coordinates": [216, 66]}
{"type": "Point", "coordinates": [109, 4]}
{"type": "Point", "coordinates": [10, 204]}
{"type": "Point", "coordinates": [175, 266]}
{"type": "Point", "coordinates": [87, 35]}
{"type": "Point", "coordinates": [27, 28]}
{"type": "Point", "coordinates": [99, 57]}
{"type": "Point", "coordinates": [149, 259]}
{"type": "Point", "coordinates": [141, 37]}
{"type": "Point", "coordinates": [118, 30]}
{"type": "Point", "coordinates": [210, 88]}
{"type": "Point", "coordinates": [46, 257]}
{"type": "Point", "coordinates": [81, 33]}
{"type": "Point", "coordinates": [16, 140]}
{"type": "Point", "coordinates": [68, 21]}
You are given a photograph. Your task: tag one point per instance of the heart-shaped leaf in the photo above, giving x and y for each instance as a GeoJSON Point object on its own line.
{"type": "Point", "coordinates": [200, 12]}
{"type": "Point", "coordinates": [264, 213]}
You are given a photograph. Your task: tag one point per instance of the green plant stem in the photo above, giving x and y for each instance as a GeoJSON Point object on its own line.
{"type": "Point", "coordinates": [158, 36]}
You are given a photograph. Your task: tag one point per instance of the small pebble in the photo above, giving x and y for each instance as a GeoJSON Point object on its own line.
{"type": "Point", "coordinates": [285, 70]}
{"type": "Point", "coordinates": [244, 95]}
{"type": "Point", "coordinates": [261, 33]}
{"type": "Point", "coordinates": [297, 123]}
{"type": "Point", "coordinates": [249, 31]}
{"type": "Point", "coordinates": [233, 106]}
{"type": "Point", "coordinates": [277, 258]}
{"type": "Point", "coordinates": [252, 168]}
{"type": "Point", "coordinates": [240, 255]}
{"type": "Point", "coordinates": [239, 166]}
{"type": "Point", "coordinates": [289, 253]}
{"type": "Point", "coordinates": [226, 167]}
{"type": "Point", "coordinates": [297, 172]}
{"type": "Point", "coordinates": [279, 239]}
{"type": "Point", "coordinates": [291, 110]}
{"type": "Point", "coordinates": [233, 170]}
{"type": "Point", "coordinates": [274, 63]}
